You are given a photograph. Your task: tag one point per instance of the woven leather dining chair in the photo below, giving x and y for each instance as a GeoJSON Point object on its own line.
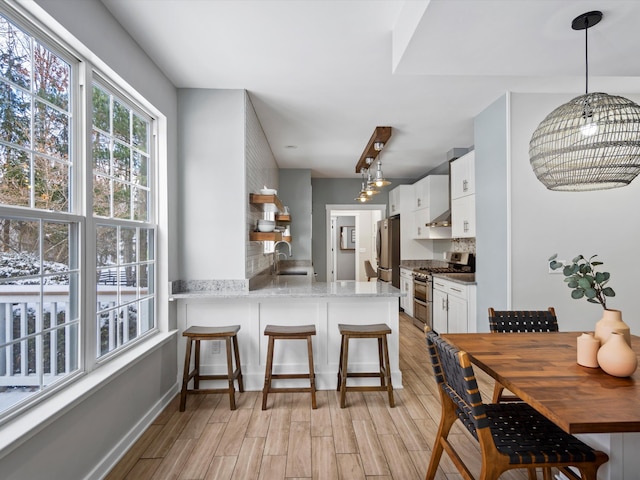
{"type": "Point", "coordinates": [369, 270]}
{"type": "Point", "coordinates": [511, 435]}
{"type": "Point", "coordinates": [511, 321]}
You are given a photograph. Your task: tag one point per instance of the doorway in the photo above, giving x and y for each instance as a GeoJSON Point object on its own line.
{"type": "Point", "coordinates": [351, 239]}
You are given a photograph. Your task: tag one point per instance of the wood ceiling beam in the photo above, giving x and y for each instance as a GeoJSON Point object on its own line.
{"type": "Point", "coordinates": [380, 134]}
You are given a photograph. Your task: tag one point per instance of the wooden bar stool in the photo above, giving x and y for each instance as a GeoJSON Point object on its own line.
{"type": "Point", "coordinates": [379, 331]}
{"type": "Point", "coordinates": [198, 334]}
{"type": "Point", "coordinates": [294, 332]}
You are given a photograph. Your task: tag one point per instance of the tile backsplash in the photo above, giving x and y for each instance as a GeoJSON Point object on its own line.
{"type": "Point", "coordinates": [463, 245]}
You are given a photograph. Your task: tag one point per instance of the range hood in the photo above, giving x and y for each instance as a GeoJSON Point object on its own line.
{"type": "Point", "coordinates": [444, 219]}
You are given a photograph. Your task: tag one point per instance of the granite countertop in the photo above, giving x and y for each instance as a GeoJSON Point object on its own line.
{"type": "Point", "coordinates": [413, 264]}
{"type": "Point", "coordinates": [301, 287]}
{"type": "Point", "coordinates": [462, 278]}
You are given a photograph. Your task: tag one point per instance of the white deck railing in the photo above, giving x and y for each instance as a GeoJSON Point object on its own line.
{"type": "Point", "coordinates": [35, 351]}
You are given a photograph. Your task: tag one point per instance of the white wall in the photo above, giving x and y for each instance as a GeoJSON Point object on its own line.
{"type": "Point", "coordinates": [212, 178]}
{"type": "Point", "coordinates": [517, 212]}
{"type": "Point", "coordinates": [224, 156]}
{"type": "Point", "coordinates": [545, 222]}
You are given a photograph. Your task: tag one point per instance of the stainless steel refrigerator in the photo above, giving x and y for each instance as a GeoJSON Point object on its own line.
{"type": "Point", "coordinates": [388, 250]}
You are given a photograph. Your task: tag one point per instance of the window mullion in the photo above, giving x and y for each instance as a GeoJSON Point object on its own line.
{"type": "Point", "coordinates": [88, 234]}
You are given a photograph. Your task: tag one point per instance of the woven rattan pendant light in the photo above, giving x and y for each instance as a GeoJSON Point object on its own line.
{"type": "Point", "coordinates": [591, 142]}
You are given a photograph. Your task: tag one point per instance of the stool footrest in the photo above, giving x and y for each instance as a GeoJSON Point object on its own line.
{"type": "Point", "coordinates": [365, 388]}
{"type": "Point", "coordinates": [235, 375]}
{"type": "Point", "coordinates": [365, 374]}
{"type": "Point", "coordinates": [207, 391]}
{"type": "Point", "coordinates": [289, 375]}
{"type": "Point", "coordinates": [289, 389]}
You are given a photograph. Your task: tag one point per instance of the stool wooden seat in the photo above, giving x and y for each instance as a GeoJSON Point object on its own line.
{"type": "Point", "coordinates": [197, 334]}
{"type": "Point", "coordinates": [292, 332]}
{"type": "Point", "coordinates": [378, 331]}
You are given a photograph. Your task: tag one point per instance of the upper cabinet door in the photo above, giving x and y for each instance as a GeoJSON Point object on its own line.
{"type": "Point", "coordinates": [463, 181]}
{"type": "Point", "coordinates": [432, 192]}
{"type": "Point", "coordinates": [463, 217]}
{"type": "Point", "coordinates": [421, 194]}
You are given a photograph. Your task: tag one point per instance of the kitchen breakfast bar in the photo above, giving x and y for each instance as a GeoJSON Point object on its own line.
{"type": "Point", "coordinates": [293, 300]}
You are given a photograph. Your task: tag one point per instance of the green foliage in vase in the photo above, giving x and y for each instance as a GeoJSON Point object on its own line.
{"type": "Point", "coordinates": [583, 280]}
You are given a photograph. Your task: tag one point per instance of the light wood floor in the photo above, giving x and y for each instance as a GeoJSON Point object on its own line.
{"type": "Point", "coordinates": [366, 440]}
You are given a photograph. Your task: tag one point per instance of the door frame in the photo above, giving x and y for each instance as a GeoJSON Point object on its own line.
{"type": "Point", "coordinates": [346, 210]}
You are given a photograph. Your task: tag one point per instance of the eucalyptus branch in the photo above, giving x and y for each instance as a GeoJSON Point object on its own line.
{"type": "Point", "coordinates": [583, 280]}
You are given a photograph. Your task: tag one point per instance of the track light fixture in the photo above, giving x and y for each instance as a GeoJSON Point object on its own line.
{"type": "Point", "coordinates": [376, 143]}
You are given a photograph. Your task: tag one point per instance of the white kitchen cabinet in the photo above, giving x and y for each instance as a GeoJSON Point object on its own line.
{"type": "Point", "coordinates": [431, 198]}
{"type": "Point", "coordinates": [432, 192]}
{"type": "Point", "coordinates": [440, 311]}
{"type": "Point", "coordinates": [463, 198]}
{"type": "Point", "coordinates": [406, 286]}
{"type": "Point", "coordinates": [463, 217]}
{"type": "Point", "coordinates": [420, 219]}
{"type": "Point", "coordinates": [400, 199]}
{"type": "Point", "coordinates": [463, 177]}
{"type": "Point", "coordinates": [454, 306]}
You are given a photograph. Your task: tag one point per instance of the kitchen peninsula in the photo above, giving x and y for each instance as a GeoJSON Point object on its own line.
{"type": "Point", "coordinates": [293, 300]}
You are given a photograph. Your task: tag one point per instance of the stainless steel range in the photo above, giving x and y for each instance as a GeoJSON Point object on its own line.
{"type": "Point", "coordinates": [423, 283]}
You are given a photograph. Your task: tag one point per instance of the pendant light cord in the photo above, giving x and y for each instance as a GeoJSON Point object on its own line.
{"type": "Point", "coordinates": [586, 56]}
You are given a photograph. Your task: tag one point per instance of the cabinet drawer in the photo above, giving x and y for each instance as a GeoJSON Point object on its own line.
{"type": "Point", "coordinates": [451, 288]}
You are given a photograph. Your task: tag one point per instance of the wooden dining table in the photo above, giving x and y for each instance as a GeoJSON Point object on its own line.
{"type": "Point", "coordinates": [541, 369]}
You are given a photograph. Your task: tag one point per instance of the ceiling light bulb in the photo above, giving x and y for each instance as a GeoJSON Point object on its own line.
{"type": "Point", "coordinates": [379, 179]}
{"type": "Point", "coordinates": [589, 129]}
{"type": "Point", "coordinates": [378, 146]}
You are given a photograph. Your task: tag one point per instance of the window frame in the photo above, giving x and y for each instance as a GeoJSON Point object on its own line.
{"type": "Point", "coordinates": [93, 222]}
{"type": "Point", "coordinates": [85, 67]}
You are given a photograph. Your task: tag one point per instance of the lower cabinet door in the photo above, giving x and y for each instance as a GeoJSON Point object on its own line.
{"type": "Point", "coordinates": [457, 320]}
{"type": "Point", "coordinates": [440, 313]}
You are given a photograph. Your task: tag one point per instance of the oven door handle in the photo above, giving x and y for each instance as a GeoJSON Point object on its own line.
{"type": "Point", "coordinates": [421, 302]}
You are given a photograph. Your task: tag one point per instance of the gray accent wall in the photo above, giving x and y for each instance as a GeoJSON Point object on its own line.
{"type": "Point", "coordinates": [295, 192]}
{"type": "Point", "coordinates": [338, 191]}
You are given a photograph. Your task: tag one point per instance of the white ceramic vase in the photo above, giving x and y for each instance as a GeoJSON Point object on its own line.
{"type": "Point", "coordinates": [616, 357]}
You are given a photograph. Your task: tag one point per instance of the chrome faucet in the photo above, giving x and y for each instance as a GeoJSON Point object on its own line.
{"type": "Point", "coordinates": [276, 255]}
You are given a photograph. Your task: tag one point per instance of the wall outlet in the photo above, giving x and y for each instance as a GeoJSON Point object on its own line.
{"type": "Point", "coordinates": [558, 270]}
{"type": "Point", "coordinates": [215, 347]}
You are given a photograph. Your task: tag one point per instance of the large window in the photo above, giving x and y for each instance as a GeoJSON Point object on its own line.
{"type": "Point", "coordinates": [77, 251]}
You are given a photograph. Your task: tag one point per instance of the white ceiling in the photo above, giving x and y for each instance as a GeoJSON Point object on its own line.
{"type": "Point", "coordinates": [322, 74]}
